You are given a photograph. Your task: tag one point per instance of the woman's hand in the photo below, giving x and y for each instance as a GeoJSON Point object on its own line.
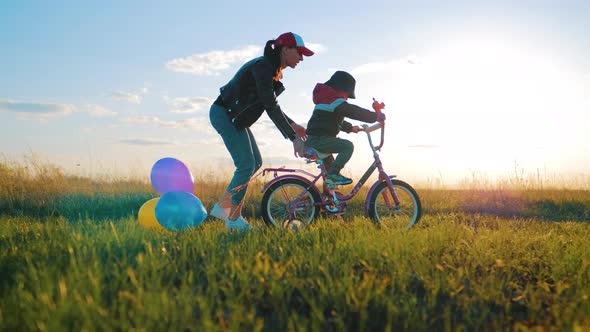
{"type": "Point", "coordinates": [298, 147]}
{"type": "Point", "coordinates": [355, 129]}
{"type": "Point", "coordinates": [299, 130]}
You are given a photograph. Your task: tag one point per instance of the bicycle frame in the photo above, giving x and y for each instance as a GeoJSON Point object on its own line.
{"type": "Point", "coordinates": [329, 191]}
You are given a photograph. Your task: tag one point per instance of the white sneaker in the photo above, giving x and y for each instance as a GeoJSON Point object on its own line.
{"type": "Point", "coordinates": [239, 224]}
{"type": "Point", "coordinates": [219, 212]}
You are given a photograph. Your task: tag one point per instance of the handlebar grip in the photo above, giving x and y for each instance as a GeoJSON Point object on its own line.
{"type": "Point", "coordinates": [377, 106]}
{"type": "Point", "coordinates": [374, 127]}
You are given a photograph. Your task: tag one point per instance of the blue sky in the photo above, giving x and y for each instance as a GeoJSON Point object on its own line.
{"type": "Point", "coordinates": [470, 86]}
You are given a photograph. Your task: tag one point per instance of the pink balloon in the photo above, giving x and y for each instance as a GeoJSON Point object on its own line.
{"type": "Point", "coordinates": [169, 174]}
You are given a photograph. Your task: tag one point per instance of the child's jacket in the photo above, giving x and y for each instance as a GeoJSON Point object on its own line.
{"type": "Point", "coordinates": [331, 109]}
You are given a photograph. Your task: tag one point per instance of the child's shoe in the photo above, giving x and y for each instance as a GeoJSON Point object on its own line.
{"type": "Point", "coordinates": [337, 179]}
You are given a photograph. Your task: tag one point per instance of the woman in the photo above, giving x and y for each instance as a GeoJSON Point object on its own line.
{"type": "Point", "coordinates": [251, 91]}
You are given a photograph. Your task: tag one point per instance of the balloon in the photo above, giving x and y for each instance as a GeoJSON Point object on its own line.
{"type": "Point", "coordinates": [169, 174]}
{"type": "Point", "coordinates": [147, 215]}
{"type": "Point", "coordinates": [178, 210]}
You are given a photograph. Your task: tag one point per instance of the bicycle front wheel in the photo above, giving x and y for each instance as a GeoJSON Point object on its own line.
{"type": "Point", "coordinates": [280, 203]}
{"type": "Point", "coordinates": [384, 211]}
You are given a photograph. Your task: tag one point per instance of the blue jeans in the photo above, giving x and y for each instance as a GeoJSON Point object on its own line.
{"type": "Point", "coordinates": [243, 149]}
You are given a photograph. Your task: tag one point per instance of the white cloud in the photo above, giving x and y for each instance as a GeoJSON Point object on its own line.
{"type": "Point", "coordinates": [186, 105]}
{"type": "Point", "coordinates": [142, 119]}
{"type": "Point", "coordinates": [380, 66]}
{"type": "Point", "coordinates": [213, 62]}
{"type": "Point", "coordinates": [127, 96]}
{"type": "Point", "coordinates": [190, 123]}
{"type": "Point", "coordinates": [146, 142]}
{"type": "Point", "coordinates": [316, 48]}
{"type": "Point", "coordinates": [201, 141]}
{"type": "Point", "coordinates": [39, 111]}
{"type": "Point", "coordinates": [206, 139]}
{"type": "Point", "coordinates": [36, 110]}
{"type": "Point", "coordinates": [98, 111]}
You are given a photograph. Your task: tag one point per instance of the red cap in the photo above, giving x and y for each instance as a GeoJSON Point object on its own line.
{"type": "Point", "coordinates": [291, 39]}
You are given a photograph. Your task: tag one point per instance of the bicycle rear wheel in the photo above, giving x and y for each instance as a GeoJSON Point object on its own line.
{"type": "Point", "coordinates": [383, 210]}
{"type": "Point", "coordinates": [280, 196]}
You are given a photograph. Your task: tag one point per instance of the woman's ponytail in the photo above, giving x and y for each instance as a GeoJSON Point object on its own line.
{"type": "Point", "coordinates": [274, 54]}
{"type": "Point", "coordinates": [269, 49]}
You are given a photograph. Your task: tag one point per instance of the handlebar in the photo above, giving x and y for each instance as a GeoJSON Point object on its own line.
{"type": "Point", "coordinates": [369, 129]}
{"type": "Point", "coordinates": [378, 107]}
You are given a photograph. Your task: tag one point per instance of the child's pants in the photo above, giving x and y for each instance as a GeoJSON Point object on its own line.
{"type": "Point", "coordinates": [329, 144]}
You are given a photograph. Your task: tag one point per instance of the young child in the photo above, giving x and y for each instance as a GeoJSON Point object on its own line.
{"type": "Point", "coordinates": [327, 120]}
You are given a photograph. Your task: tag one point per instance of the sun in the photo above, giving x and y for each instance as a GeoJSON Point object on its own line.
{"type": "Point", "coordinates": [481, 105]}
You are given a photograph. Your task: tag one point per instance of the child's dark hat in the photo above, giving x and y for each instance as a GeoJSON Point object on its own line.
{"type": "Point", "coordinates": [342, 81]}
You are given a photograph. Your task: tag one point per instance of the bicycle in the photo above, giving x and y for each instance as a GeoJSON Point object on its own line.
{"type": "Point", "coordinates": [294, 196]}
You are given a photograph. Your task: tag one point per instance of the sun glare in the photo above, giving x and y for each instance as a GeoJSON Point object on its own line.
{"type": "Point", "coordinates": [482, 106]}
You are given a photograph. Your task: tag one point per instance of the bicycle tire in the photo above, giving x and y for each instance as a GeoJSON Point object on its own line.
{"type": "Point", "coordinates": [407, 214]}
{"type": "Point", "coordinates": [274, 209]}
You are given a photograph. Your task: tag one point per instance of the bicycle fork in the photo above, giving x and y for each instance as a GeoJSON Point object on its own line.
{"type": "Point", "coordinates": [392, 192]}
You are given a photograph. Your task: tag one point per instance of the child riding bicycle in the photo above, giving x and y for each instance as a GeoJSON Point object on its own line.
{"type": "Point", "coordinates": [327, 120]}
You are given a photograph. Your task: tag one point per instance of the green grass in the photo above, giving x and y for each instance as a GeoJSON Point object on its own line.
{"type": "Point", "coordinates": [72, 257]}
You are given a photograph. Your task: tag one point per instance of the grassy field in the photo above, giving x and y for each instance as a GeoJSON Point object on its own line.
{"type": "Point", "coordinates": [72, 257]}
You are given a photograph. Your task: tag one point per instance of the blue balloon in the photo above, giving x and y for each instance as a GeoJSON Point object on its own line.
{"type": "Point", "coordinates": [169, 174]}
{"type": "Point", "coordinates": [179, 210]}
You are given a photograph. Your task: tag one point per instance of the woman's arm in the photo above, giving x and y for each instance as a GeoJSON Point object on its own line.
{"type": "Point", "coordinates": [263, 76]}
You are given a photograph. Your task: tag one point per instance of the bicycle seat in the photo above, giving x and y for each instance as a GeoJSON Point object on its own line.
{"type": "Point", "coordinates": [313, 154]}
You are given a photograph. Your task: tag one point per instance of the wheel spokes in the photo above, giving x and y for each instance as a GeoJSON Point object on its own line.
{"type": "Point", "coordinates": [283, 204]}
{"type": "Point", "coordinates": [389, 213]}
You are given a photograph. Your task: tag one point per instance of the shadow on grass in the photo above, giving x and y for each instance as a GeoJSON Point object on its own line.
{"type": "Point", "coordinates": [544, 209]}
{"type": "Point", "coordinates": [78, 206]}
{"type": "Point", "coordinates": [550, 206]}
{"type": "Point", "coordinates": [556, 205]}
{"type": "Point", "coordinates": [559, 211]}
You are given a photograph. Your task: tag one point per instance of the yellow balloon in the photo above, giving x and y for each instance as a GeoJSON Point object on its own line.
{"type": "Point", "coordinates": [147, 215]}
